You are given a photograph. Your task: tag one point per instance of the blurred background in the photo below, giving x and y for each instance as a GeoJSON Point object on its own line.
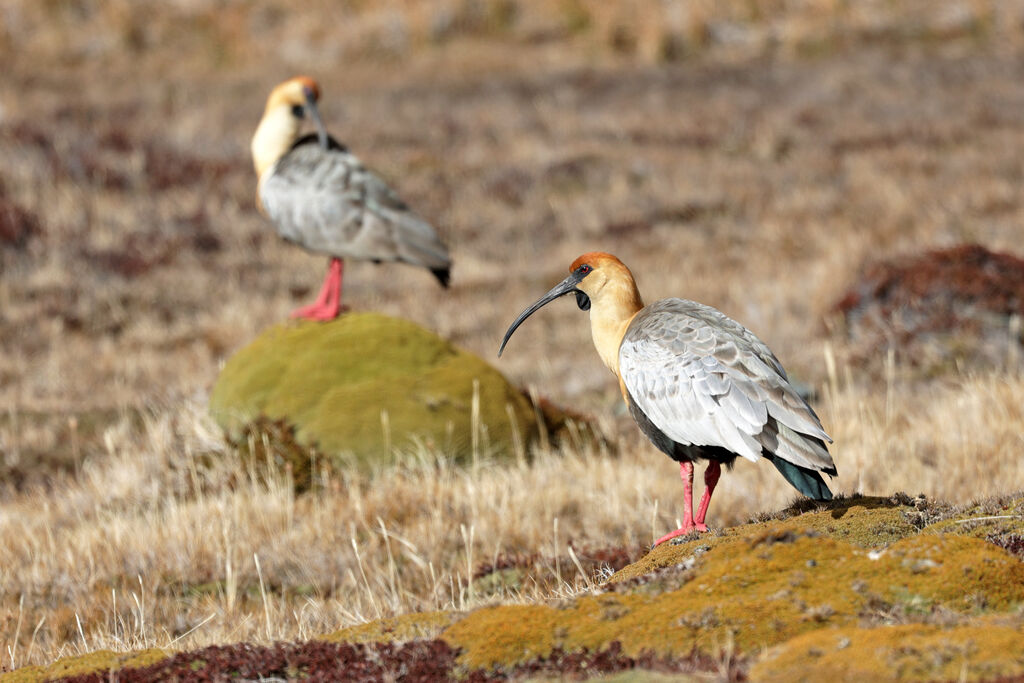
{"type": "Point", "coordinates": [755, 156]}
{"type": "Point", "coordinates": [843, 177]}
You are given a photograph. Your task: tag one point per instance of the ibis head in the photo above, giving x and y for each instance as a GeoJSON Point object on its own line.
{"type": "Point", "coordinates": [604, 286]}
{"type": "Point", "coordinates": [287, 107]}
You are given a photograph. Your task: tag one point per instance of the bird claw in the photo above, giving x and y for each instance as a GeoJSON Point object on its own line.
{"type": "Point", "coordinates": [683, 531]}
{"type": "Point", "coordinates": [318, 313]}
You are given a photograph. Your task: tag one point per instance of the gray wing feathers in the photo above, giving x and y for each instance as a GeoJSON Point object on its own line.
{"type": "Point", "coordinates": [792, 446]}
{"type": "Point", "coordinates": [419, 243]}
{"type": "Point", "coordinates": [327, 201]}
{"type": "Point", "coordinates": [704, 379]}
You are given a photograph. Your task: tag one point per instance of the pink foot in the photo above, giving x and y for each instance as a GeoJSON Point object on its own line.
{"type": "Point", "coordinates": [328, 303]}
{"type": "Point", "coordinates": [684, 530]}
{"type": "Point", "coordinates": [318, 312]}
{"type": "Point", "coordinates": [690, 522]}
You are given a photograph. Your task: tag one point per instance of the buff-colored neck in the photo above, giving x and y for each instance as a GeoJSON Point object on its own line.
{"type": "Point", "coordinates": [612, 309]}
{"type": "Point", "coordinates": [277, 132]}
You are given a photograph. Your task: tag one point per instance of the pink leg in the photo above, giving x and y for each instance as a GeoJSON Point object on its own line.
{"type": "Point", "coordinates": [711, 475]}
{"type": "Point", "coordinates": [686, 473]}
{"type": "Point", "coordinates": [328, 303]}
{"type": "Point", "coordinates": [325, 291]}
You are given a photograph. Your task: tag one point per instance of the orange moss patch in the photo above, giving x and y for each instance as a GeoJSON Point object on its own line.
{"type": "Point", "coordinates": [905, 653]}
{"type": "Point", "coordinates": [862, 521]}
{"type": "Point", "coordinates": [506, 635]}
{"type": "Point", "coordinates": [100, 660]}
{"type": "Point", "coordinates": [753, 592]}
{"type": "Point", "coordinates": [394, 629]}
{"type": "Point", "coordinates": [669, 555]}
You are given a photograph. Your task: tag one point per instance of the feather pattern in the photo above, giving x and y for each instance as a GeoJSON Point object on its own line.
{"type": "Point", "coordinates": [703, 379]}
{"type": "Point", "coordinates": [327, 201]}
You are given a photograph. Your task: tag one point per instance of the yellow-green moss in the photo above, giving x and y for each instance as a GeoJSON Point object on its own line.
{"type": "Point", "coordinates": [912, 652]}
{"type": "Point", "coordinates": [100, 660]}
{"type": "Point", "coordinates": [333, 381]}
{"type": "Point", "coordinates": [756, 591]}
{"type": "Point", "coordinates": [500, 582]}
{"type": "Point", "coordinates": [867, 522]}
{"type": "Point", "coordinates": [982, 521]}
{"type": "Point", "coordinates": [394, 629]}
{"type": "Point", "coordinates": [631, 676]}
{"type": "Point", "coordinates": [862, 521]}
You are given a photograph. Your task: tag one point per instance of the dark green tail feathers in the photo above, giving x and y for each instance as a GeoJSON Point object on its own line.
{"type": "Point", "coordinates": [806, 481]}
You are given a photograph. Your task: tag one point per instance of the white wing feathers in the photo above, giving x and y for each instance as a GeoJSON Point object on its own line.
{"type": "Point", "coordinates": [705, 380]}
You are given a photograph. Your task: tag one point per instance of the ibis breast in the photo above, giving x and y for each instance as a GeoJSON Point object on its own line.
{"type": "Point", "coordinates": [327, 201]}
{"type": "Point", "coordinates": [704, 380]}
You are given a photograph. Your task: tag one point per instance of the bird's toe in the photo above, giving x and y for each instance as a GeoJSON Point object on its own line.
{"type": "Point", "coordinates": [317, 313]}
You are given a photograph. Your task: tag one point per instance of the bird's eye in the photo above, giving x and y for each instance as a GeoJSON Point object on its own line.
{"type": "Point", "coordinates": [298, 111]}
{"type": "Point", "coordinates": [584, 269]}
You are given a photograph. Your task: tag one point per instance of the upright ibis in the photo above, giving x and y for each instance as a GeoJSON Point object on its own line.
{"type": "Point", "coordinates": [698, 384]}
{"type": "Point", "coordinates": [323, 198]}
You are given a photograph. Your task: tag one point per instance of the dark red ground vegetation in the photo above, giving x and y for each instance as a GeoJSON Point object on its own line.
{"type": "Point", "coordinates": [430, 660]}
{"type": "Point", "coordinates": [1011, 543]}
{"type": "Point", "coordinates": [591, 559]}
{"type": "Point", "coordinates": [17, 224]}
{"type": "Point", "coordinates": [415, 661]}
{"type": "Point", "coordinates": [585, 664]}
{"type": "Point", "coordinates": [944, 305]}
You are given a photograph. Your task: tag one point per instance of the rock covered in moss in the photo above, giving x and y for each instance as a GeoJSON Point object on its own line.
{"type": "Point", "coordinates": [365, 383]}
{"type": "Point", "coordinates": [803, 587]}
{"type": "Point", "coordinates": [760, 590]}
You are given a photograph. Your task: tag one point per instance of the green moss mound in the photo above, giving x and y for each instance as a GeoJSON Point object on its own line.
{"type": "Point", "coordinates": [366, 384]}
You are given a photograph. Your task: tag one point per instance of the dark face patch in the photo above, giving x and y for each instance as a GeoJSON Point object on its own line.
{"type": "Point", "coordinates": [582, 300]}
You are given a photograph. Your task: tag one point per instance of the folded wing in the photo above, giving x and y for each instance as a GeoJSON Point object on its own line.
{"type": "Point", "coordinates": [327, 201]}
{"type": "Point", "coordinates": [705, 380]}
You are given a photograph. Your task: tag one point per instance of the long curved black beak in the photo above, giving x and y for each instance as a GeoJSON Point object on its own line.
{"type": "Point", "coordinates": [314, 113]}
{"type": "Point", "coordinates": [566, 286]}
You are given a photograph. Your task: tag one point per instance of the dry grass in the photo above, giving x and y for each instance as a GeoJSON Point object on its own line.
{"type": "Point", "coordinates": [156, 544]}
{"type": "Point", "coordinates": [751, 161]}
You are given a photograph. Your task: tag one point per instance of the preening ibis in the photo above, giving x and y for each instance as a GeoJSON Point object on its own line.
{"type": "Point", "coordinates": [323, 198]}
{"type": "Point", "coordinates": [698, 384]}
